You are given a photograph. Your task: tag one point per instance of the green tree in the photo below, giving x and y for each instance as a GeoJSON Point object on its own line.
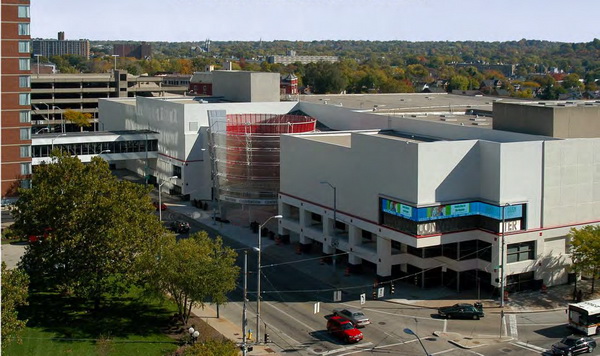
{"type": "Point", "coordinates": [572, 81]}
{"type": "Point", "coordinates": [585, 244]}
{"type": "Point", "coordinates": [14, 294]}
{"type": "Point", "coordinates": [79, 118]}
{"type": "Point", "coordinates": [325, 78]}
{"type": "Point", "coordinates": [94, 225]}
{"type": "Point", "coordinates": [193, 271]}
{"type": "Point", "coordinates": [458, 82]}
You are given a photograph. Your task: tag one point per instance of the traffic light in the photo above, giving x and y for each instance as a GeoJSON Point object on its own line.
{"type": "Point", "coordinates": [392, 288]}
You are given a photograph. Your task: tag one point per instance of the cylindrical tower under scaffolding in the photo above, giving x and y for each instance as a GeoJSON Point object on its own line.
{"type": "Point", "coordinates": [245, 152]}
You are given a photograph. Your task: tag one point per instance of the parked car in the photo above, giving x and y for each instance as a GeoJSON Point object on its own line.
{"type": "Point", "coordinates": [574, 344]}
{"type": "Point", "coordinates": [163, 206]}
{"type": "Point", "coordinates": [462, 310]}
{"type": "Point", "coordinates": [357, 317]}
{"type": "Point", "coordinates": [343, 328]}
{"type": "Point", "coordinates": [180, 227]}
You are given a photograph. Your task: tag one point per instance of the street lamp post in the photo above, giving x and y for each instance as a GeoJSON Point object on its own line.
{"type": "Point", "coordinates": [62, 121]}
{"type": "Point", "coordinates": [55, 137]}
{"type": "Point", "coordinates": [410, 332]}
{"type": "Point", "coordinates": [160, 195]}
{"type": "Point", "coordinates": [502, 263]}
{"type": "Point", "coordinates": [334, 241]}
{"type": "Point", "coordinates": [258, 275]}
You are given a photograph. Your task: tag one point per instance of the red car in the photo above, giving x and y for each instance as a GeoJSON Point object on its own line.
{"type": "Point", "coordinates": [163, 206]}
{"type": "Point", "coordinates": [343, 328]}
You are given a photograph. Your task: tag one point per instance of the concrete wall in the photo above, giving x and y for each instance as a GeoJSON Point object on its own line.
{"type": "Point", "coordinates": [571, 182]}
{"type": "Point", "coordinates": [243, 86]}
{"type": "Point", "coordinates": [555, 119]}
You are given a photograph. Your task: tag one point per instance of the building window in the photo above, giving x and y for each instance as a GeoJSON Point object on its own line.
{"type": "Point", "coordinates": [24, 99]}
{"type": "Point", "coordinates": [177, 171]}
{"type": "Point", "coordinates": [24, 64]}
{"type": "Point", "coordinates": [26, 183]}
{"type": "Point", "coordinates": [24, 47]}
{"type": "Point", "coordinates": [25, 169]}
{"type": "Point", "coordinates": [25, 151]}
{"type": "Point", "coordinates": [25, 134]}
{"type": "Point", "coordinates": [25, 116]}
{"type": "Point", "coordinates": [520, 252]}
{"type": "Point", "coordinates": [23, 29]}
{"type": "Point", "coordinates": [23, 12]}
{"type": "Point", "coordinates": [24, 81]}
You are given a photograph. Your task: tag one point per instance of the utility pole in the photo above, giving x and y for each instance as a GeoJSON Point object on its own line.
{"type": "Point", "coordinates": [244, 320]}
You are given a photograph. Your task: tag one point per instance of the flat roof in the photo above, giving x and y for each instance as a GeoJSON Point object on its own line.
{"type": "Point", "coordinates": [408, 102]}
{"type": "Point", "coordinates": [560, 104]}
{"type": "Point", "coordinates": [91, 133]}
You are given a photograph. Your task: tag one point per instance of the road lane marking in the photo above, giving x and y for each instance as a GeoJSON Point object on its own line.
{"type": "Point", "coordinates": [476, 353]}
{"type": "Point", "coordinates": [380, 347]}
{"type": "Point", "coordinates": [283, 334]}
{"type": "Point", "coordinates": [445, 324]}
{"type": "Point", "coordinates": [442, 352]}
{"type": "Point", "coordinates": [346, 348]}
{"type": "Point", "coordinates": [404, 316]}
{"type": "Point", "coordinates": [529, 346]}
{"type": "Point", "coordinates": [512, 320]}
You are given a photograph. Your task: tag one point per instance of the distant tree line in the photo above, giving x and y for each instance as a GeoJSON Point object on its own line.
{"type": "Point", "coordinates": [377, 66]}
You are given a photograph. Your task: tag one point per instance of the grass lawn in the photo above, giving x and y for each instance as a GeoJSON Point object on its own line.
{"type": "Point", "coordinates": [128, 325]}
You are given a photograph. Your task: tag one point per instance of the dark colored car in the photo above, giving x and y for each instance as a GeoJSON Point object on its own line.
{"type": "Point", "coordinates": [462, 310]}
{"type": "Point", "coordinates": [343, 328]}
{"type": "Point", "coordinates": [180, 227]}
{"type": "Point", "coordinates": [163, 206]}
{"type": "Point", "coordinates": [357, 317]}
{"type": "Point", "coordinates": [574, 344]}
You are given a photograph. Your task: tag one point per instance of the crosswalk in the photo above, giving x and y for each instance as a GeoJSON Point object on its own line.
{"type": "Point", "coordinates": [529, 347]}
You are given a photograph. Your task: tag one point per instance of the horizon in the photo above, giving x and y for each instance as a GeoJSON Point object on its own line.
{"type": "Point", "coordinates": [178, 21]}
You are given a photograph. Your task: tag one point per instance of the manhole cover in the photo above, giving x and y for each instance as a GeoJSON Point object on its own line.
{"type": "Point", "coordinates": [506, 350]}
{"type": "Point", "coordinates": [476, 342]}
{"type": "Point", "coordinates": [318, 350]}
{"type": "Point", "coordinates": [381, 323]}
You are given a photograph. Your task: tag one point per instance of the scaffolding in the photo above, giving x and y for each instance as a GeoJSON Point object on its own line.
{"type": "Point", "coordinates": [245, 154]}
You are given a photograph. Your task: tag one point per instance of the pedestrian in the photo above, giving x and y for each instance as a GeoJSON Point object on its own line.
{"type": "Point", "coordinates": [575, 294]}
{"type": "Point", "coordinates": [579, 296]}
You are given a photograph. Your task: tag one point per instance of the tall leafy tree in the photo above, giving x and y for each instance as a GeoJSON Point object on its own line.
{"type": "Point", "coordinates": [193, 271]}
{"type": "Point", "coordinates": [81, 119]}
{"type": "Point", "coordinates": [585, 251]}
{"type": "Point", "coordinates": [92, 227]}
{"type": "Point", "coordinates": [14, 294]}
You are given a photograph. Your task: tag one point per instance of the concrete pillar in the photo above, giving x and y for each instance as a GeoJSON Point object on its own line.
{"type": "Point", "coordinates": [302, 223]}
{"type": "Point", "coordinates": [354, 240]}
{"type": "Point", "coordinates": [384, 256]}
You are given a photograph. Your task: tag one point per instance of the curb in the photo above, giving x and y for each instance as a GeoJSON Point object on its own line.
{"type": "Point", "coordinates": [463, 342]}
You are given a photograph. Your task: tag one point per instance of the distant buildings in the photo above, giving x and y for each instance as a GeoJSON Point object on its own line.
{"type": "Point", "coordinates": [52, 94]}
{"type": "Point", "coordinates": [508, 70]}
{"type": "Point", "coordinates": [60, 46]}
{"type": "Point", "coordinates": [141, 51]}
{"type": "Point", "coordinates": [16, 98]}
{"type": "Point", "coordinates": [291, 57]}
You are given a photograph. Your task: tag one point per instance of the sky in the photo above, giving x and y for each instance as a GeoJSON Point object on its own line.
{"type": "Point", "coordinates": [308, 20]}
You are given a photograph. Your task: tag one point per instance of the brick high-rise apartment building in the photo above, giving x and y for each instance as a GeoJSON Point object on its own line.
{"type": "Point", "coordinates": [16, 98]}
